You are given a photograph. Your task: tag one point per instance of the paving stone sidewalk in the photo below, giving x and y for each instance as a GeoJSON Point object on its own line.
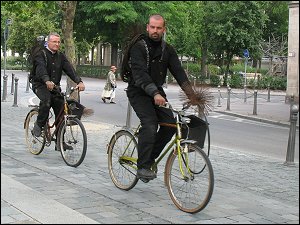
{"type": "Point", "coordinates": [248, 188]}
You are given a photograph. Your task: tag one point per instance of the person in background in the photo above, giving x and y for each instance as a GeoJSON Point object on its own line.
{"type": "Point", "coordinates": [109, 91]}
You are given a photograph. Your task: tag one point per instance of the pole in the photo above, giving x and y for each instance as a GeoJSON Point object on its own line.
{"type": "Point", "coordinates": [4, 88]}
{"type": "Point", "coordinates": [291, 143]}
{"type": "Point", "coordinates": [5, 52]}
{"type": "Point", "coordinates": [16, 93]}
{"type": "Point", "coordinates": [255, 103]}
{"type": "Point", "coordinates": [12, 83]}
{"type": "Point", "coordinates": [245, 80]}
{"type": "Point", "coordinates": [128, 117]}
{"type": "Point", "coordinates": [228, 98]}
{"type": "Point", "coordinates": [219, 96]}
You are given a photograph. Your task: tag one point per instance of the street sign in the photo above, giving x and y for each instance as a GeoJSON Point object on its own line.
{"type": "Point", "coordinates": [246, 53]}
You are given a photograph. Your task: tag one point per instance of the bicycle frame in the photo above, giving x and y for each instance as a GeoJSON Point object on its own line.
{"type": "Point", "coordinates": [176, 141]}
{"type": "Point", "coordinates": [58, 121]}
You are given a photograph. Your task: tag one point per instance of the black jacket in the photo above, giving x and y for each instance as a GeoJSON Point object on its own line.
{"type": "Point", "coordinates": [162, 57]}
{"type": "Point", "coordinates": [49, 67]}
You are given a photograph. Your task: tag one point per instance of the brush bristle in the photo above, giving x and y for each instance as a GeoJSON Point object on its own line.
{"type": "Point", "coordinates": [199, 96]}
{"type": "Point", "coordinates": [87, 112]}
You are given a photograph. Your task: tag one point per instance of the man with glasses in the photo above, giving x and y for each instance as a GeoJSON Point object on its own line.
{"type": "Point", "coordinates": [48, 65]}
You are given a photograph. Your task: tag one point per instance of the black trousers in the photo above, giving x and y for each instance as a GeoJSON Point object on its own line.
{"type": "Point", "coordinates": [151, 140]}
{"type": "Point", "coordinates": [48, 99]}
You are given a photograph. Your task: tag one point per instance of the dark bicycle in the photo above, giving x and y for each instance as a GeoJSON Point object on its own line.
{"type": "Point", "coordinates": [71, 138]}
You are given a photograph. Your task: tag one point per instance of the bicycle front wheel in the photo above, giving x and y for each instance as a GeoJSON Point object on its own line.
{"type": "Point", "coordinates": [190, 188]}
{"type": "Point", "coordinates": [34, 144]}
{"type": "Point", "coordinates": [72, 141]}
{"type": "Point", "coordinates": [122, 157]}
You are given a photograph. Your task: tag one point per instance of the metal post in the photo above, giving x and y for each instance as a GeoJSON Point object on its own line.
{"type": "Point", "coordinates": [5, 52]}
{"type": "Point", "coordinates": [228, 98]}
{"type": "Point", "coordinates": [194, 81]}
{"type": "Point", "coordinates": [245, 95]}
{"type": "Point", "coordinates": [291, 104]}
{"type": "Point", "coordinates": [12, 83]}
{"type": "Point", "coordinates": [268, 93]}
{"type": "Point", "coordinates": [4, 88]}
{"type": "Point", "coordinates": [245, 80]}
{"type": "Point", "coordinates": [16, 93]}
{"type": "Point", "coordinates": [128, 117]}
{"type": "Point", "coordinates": [27, 86]}
{"type": "Point", "coordinates": [219, 96]}
{"type": "Point", "coordinates": [166, 84]}
{"type": "Point", "coordinates": [255, 103]}
{"type": "Point", "coordinates": [291, 143]}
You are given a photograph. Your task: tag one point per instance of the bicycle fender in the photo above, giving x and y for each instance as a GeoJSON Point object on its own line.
{"type": "Point", "coordinates": [34, 109]}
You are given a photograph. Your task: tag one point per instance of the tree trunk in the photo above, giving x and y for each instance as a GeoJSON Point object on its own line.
{"type": "Point", "coordinates": [68, 11]}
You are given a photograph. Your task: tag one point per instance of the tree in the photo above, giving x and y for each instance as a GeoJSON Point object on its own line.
{"type": "Point", "coordinates": [68, 13]}
{"type": "Point", "coordinates": [233, 27]}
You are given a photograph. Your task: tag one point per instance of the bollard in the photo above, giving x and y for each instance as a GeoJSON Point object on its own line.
{"type": "Point", "coordinates": [194, 81]}
{"type": "Point", "coordinates": [291, 104]}
{"type": "Point", "coordinates": [228, 99]}
{"type": "Point", "coordinates": [16, 93]}
{"type": "Point", "coordinates": [268, 93]}
{"type": "Point", "coordinates": [255, 103]}
{"type": "Point", "coordinates": [291, 143]}
{"type": "Point", "coordinates": [166, 84]}
{"type": "Point", "coordinates": [12, 84]}
{"type": "Point", "coordinates": [27, 85]}
{"type": "Point", "coordinates": [219, 98]}
{"type": "Point", "coordinates": [245, 95]}
{"type": "Point", "coordinates": [4, 88]}
{"type": "Point", "coordinates": [128, 117]}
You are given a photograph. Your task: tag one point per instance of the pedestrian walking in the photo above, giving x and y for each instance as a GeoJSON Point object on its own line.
{"type": "Point", "coordinates": [109, 91]}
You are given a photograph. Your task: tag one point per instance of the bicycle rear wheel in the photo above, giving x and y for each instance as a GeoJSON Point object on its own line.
{"type": "Point", "coordinates": [34, 144]}
{"type": "Point", "coordinates": [72, 141]}
{"type": "Point", "coordinates": [193, 192]}
{"type": "Point", "coordinates": [122, 156]}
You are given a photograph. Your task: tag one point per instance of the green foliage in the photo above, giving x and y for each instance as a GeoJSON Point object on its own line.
{"type": "Point", "coordinates": [236, 81]}
{"type": "Point", "coordinates": [92, 71]}
{"type": "Point", "coordinates": [213, 70]}
{"type": "Point", "coordinates": [215, 80]}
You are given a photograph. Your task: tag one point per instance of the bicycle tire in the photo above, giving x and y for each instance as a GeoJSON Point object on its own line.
{"type": "Point", "coordinates": [122, 171]}
{"type": "Point", "coordinates": [34, 144]}
{"type": "Point", "coordinates": [190, 194]}
{"type": "Point", "coordinates": [72, 133]}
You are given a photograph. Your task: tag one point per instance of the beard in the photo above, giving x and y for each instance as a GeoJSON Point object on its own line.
{"type": "Point", "coordinates": [155, 37]}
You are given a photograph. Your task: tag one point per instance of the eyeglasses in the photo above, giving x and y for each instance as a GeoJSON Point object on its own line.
{"type": "Point", "coordinates": [55, 42]}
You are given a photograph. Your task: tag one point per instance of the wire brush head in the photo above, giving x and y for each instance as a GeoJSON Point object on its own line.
{"type": "Point", "coordinates": [199, 96]}
{"type": "Point", "coordinates": [87, 112]}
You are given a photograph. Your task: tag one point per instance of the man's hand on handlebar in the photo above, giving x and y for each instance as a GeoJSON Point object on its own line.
{"type": "Point", "coordinates": [50, 85]}
{"type": "Point", "coordinates": [159, 100]}
{"type": "Point", "coordinates": [80, 86]}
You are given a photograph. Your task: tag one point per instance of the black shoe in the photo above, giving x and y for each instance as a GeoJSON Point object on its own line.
{"type": "Point", "coordinates": [145, 180]}
{"type": "Point", "coordinates": [103, 99]}
{"type": "Point", "coordinates": [146, 174]}
{"type": "Point", "coordinates": [36, 131]}
{"type": "Point", "coordinates": [112, 102]}
{"type": "Point", "coordinates": [65, 146]}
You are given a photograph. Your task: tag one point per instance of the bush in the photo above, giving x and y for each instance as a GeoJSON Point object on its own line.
{"type": "Point", "coordinates": [215, 80]}
{"type": "Point", "coordinates": [236, 81]}
{"type": "Point", "coordinates": [92, 71]}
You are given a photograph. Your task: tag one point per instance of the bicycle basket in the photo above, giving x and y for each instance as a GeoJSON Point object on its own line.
{"type": "Point", "coordinates": [197, 130]}
{"type": "Point", "coordinates": [75, 108]}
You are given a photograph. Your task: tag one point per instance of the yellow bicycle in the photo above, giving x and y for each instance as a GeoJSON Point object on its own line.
{"type": "Point", "coordinates": [188, 173]}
